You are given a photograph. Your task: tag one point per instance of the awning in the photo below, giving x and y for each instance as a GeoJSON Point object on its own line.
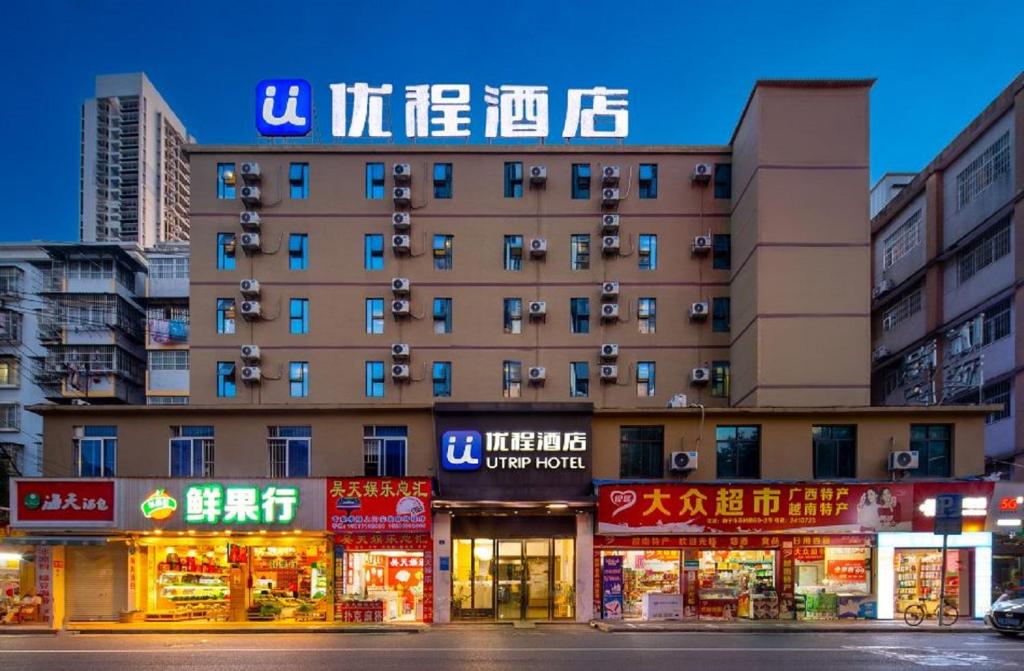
{"type": "Point", "coordinates": [54, 540]}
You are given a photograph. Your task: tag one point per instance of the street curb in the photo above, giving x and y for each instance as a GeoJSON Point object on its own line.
{"type": "Point", "coordinates": [27, 632]}
{"type": "Point", "coordinates": [808, 629]}
{"type": "Point", "coordinates": [243, 630]}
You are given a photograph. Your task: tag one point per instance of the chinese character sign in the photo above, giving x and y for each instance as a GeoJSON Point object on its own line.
{"type": "Point", "coordinates": [284, 107]}
{"type": "Point", "coordinates": [64, 503]}
{"type": "Point", "coordinates": [371, 505]}
{"type": "Point", "coordinates": [213, 503]}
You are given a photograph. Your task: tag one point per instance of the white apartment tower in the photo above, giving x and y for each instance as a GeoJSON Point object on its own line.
{"type": "Point", "coordinates": [134, 175]}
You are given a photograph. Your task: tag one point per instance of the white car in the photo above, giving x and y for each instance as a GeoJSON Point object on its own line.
{"type": "Point", "coordinates": [1007, 614]}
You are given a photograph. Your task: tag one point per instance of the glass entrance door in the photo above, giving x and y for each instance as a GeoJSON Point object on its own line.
{"type": "Point", "coordinates": [538, 580]}
{"type": "Point", "coordinates": [511, 576]}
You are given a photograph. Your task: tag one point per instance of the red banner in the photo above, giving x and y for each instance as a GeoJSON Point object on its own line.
{"type": "Point", "coordinates": [64, 503]}
{"type": "Point", "coordinates": [976, 498]}
{"type": "Point", "coordinates": [378, 505]}
{"type": "Point", "coordinates": [671, 508]}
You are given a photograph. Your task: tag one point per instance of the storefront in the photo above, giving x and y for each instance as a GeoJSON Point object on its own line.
{"type": "Point", "coordinates": [1006, 524]}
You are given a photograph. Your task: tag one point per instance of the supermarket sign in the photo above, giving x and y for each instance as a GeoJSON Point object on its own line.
{"type": "Point", "coordinates": [378, 505]}
{"type": "Point", "coordinates": [46, 502]}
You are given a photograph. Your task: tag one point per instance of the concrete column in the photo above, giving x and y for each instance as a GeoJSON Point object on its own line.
{"type": "Point", "coordinates": [584, 567]}
{"type": "Point", "coordinates": [442, 579]}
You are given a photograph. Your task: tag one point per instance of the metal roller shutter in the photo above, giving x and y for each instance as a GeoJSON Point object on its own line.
{"type": "Point", "coordinates": [96, 582]}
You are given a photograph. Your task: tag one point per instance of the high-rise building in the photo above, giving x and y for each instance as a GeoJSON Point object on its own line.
{"type": "Point", "coordinates": [134, 176]}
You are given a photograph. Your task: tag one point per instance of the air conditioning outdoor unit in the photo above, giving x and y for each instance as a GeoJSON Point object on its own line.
{"type": "Point", "coordinates": [251, 195]}
{"type": "Point", "coordinates": [400, 285]}
{"type": "Point", "coordinates": [251, 374]}
{"type": "Point", "coordinates": [610, 244]}
{"type": "Point", "coordinates": [250, 353]}
{"type": "Point", "coordinates": [401, 350]}
{"type": "Point", "coordinates": [401, 220]}
{"type": "Point", "coordinates": [402, 172]}
{"type": "Point", "coordinates": [251, 309]}
{"type": "Point", "coordinates": [250, 221]}
{"type": "Point", "coordinates": [882, 288]}
{"type": "Point", "coordinates": [400, 371]}
{"type": "Point", "coordinates": [402, 195]}
{"type": "Point", "coordinates": [880, 353]}
{"type": "Point", "coordinates": [609, 197]}
{"type": "Point", "coordinates": [538, 174]}
{"type": "Point", "coordinates": [250, 242]}
{"type": "Point", "coordinates": [904, 460]}
{"type": "Point", "coordinates": [681, 462]}
{"type": "Point", "coordinates": [702, 173]}
{"type": "Point", "coordinates": [401, 244]}
{"type": "Point", "coordinates": [251, 172]}
{"type": "Point", "coordinates": [610, 175]}
{"type": "Point", "coordinates": [610, 311]}
{"type": "Point", "coordinates": [610, 351]}
{"type": "Point", "coordinates": [610, 223]}
{"type": "Point", "coordinates": [538, 247]}
{"type": "Point", "coordinates": [537, 309]}
{"type": "Point", "coordinates": [537, 374]}
{"type": "Point", "coordinates": [609, 372]}
{"type": "Point", "coordinates": [701, 245]}
{"type": "Point", "coordinates": [249, 288]}
{"type": "Point", "coordinates": [400, 308]}
{"type": "Point", "coordinates": [609, 290]}
{"type": "Point", "coordinates": [699, 311]}
{"type": "Point", "coordinates": [700, 376]}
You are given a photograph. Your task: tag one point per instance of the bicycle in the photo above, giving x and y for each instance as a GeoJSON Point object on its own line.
{"type": "Point", "coordinates": [916, 613]}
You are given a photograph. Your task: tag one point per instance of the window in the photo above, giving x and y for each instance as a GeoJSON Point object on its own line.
{"type": "Point", "coordinates": [998, 393]}
{"type": "Point", "coordinates": [648, 180]}
{"type": "Point", "coordinates": [443, 251]}
{"type": "Point", "coordinates": [442, 377]}
{"type": "Point", "coordinates": [375, 379]}
{"type": "Point", "coordinates": [511, 379]}
{"type": "Point", "coordinates": [983, 171]}
{"type": "Point", "coordinates": [581, 181]}
{"type": "Point", "coordinates": [9, 370]}
{"type": "Point", "coordinates": [226, 379]}
{"type": "Point", "coordinates": [721, 251]}
{"type": "Point", "coordinates": [513, 252]}
{"type": "Point", "coordinates": [579, 315]}
{"type": "Point", "coordinates": [375, 316]}
{"type": "Point", "coordinates": [11, 280]}
{"type": "Point", "coordinates": [835, 451]}
{"type": "Point", "coordinates": [579, 251]}
{"type": "Point", "coordinates": [298, 379]}
{"type": "Point", "coordinates": [442, 315]}
{"type": "Point", "coordinates": [720, 379]}
{"type": "Point", "coordinates": [191, 452]}
{"type": "Point", "coordinates": [96, 451]}
{"type": "Point", "coordinates": [648, 251]}
{"type": "Point", "coordinates": [373, 252]}
{"type": "Point", "coordinates": [225, 180]}
{"type": "Point", "coordinates": [10, 327]}
{"type": "Point", "coordinates": [167, 268]}
{"type": "Point", "coordinates": [723, 180]}
{"type": "Point", "coordinates": [225, 251]}
{"type": "Point", "coordinates": [225, 316]}
{"type": "Point", "coordinates": [298, 251]}
{"type": "Point", "coordinates": [933, 444]}
{"type": "Point", "coordinates": [720, 309]}
{"type": "Point", "coordinates": [647, 315]}
{"type": "Point", "coordinates": [903, 310]}
{"type": "Point", "coordinates": [384, 449]}
{"type": "Point", "coordinates": [739, 451]}
{"type": "Point", "coordinates": [442, 180]}
{"type": "Point", "coordinates": [902, 241]}
{"type": "Point", "coordinates": [645, 378]}
{"type": "Point", "coordinates": [514, 180]}
{"type": "Point", "coordinates": [641, 451]}
{"type": "Point", "coordinates": [984, 251]}
{"type": "Point", "coordinates": [298, 316]}
{"type": "Point", "coordinates": [10, 417]}
{"type": "Point", "coordinates": [579, 379]}
{"type": "Point", "coordinates": [374, 181]}
{"type": "Point", "coordinates": [997, 321]}
{"type": "Point", "coordinates": [892, 379]}
{"type": "Point", "coordinates": [289, 451]}
{"type": "Point", "coordinates": [513, 315]}
{"type": "Point", "coordinates": [298, 180]}
{"type": "Point", "coordinates": [168, 359]}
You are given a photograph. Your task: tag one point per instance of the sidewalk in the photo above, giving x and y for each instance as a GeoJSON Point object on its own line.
{"type": "Point", "coordinates": [242, 628]}
{"type": "Point", "coordinates": [767, 626]}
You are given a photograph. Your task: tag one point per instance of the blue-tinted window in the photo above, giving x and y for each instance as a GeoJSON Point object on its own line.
{"type": "Point", "coordinates": [581, 181]}
{"type": "Point", "coordinates": [192, 452]}
{"type": "Point", "coordinates": [289, 451]}
{"type": "Point", "coordinates": [298, 316]}
{"type": "Point", "coordinates": [298, 180]}
{"type": "Point", "coordinates": [513, 252]}
{"type": "Point", "coordinates": [375, 181]}
{"type": "Point", "coordinates": [648, 251]}
{"type": "Point", "coordinates": [298, 251]}
{"type": "Point", "coordinates": [513, 316]}
{"type": "Point", "coordinates": [579, 315]}
{"type": "Point", "coordinates": [579, 379]}
{"type": "Point", "coordinates": [723, 180]}
{"type": "Point", "coordinates": [442, 315]}
{"type": "Point", "coordinates": [225, 316]}
{"type": "Point", "coordinates": [720, 309]}
{"type": "Point", "coordinates": [225, 379]}
{"type": "Point", "coordinates": [648, 180]}
{"type": "Point", "coordinates": [514, 180]}
{"type": "Point", "coordinates": [443, 251]}
{"type": "Point", "coordinates": [97, 452]}
{"type": "Point", "coordinates": [375, 316]}
{"type": "Point", "coordinates": [373, 252]}
{"type": "Point", "coordinates": [442, 180]}
{"type": "Point", "coordinates": [375, 379]}
{"type": "Point", "coordinates": [645, 378]}
{"type": "Point", "coordinates": [298, 379]}
{"type": "Point", "coordinates": [579, 251]}
{"type": "Point", "coordinates": [739, 451]}
{"type": "Point", "coordinates": [225, 251]}
{"type": "Point", "coordinates": [384, 449]}
{"type": "Point", "coordinates": [226, 180]}
{"type": "Point", "coordinates": [721, 254]}
{"type": "Point", "coordinates": [442, 376]}
{"type": "Point", "coordinates": [647, 315]}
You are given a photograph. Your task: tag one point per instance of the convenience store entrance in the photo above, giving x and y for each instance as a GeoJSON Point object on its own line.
{"type": "Point", "coordinates": [919, 578]}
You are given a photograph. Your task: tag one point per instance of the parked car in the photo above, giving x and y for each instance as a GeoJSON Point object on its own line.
{"type": "Point", "coordinates": [1007, 614]}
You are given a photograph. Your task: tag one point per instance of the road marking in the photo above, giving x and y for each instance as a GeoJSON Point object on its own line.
{"type": "Point", "coordinates": [927, 656]}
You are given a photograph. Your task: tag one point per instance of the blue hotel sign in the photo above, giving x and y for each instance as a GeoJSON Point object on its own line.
{"type": "Point", "coordinates": [284, 107]}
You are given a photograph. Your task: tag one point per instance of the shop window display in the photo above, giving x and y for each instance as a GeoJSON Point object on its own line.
{"type": "Point", "coordinates": [919, 578]}
{"type": "Point", "coordinates": [647, 572]}
{"type": "Point", "coordinates": [18, 601]}
{"type": "Point", "coordinates": [737, 584]}
{"type": "Point", "coordinates": [833, 582]}
{"type": "Point", "coordinates": [386, 585]}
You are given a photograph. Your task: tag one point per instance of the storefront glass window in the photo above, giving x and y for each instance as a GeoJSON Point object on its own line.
{"type": "Point", "coordinates": [647, 572]}
{"type": "Point", "coordinates": [833, 582]}
{"type": "Point", "coordinates": [391, 579]}
{"type": "Point", "coordinates": [919, 578]}
{"type": "Point", "coordinates": [737, 584]}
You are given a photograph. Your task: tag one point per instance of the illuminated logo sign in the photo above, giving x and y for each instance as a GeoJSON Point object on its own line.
{"type": "Point", "coordinates": [213, 503]}
{"type": "Point", "coordinates": [972, 506]}
{"type": "Point", "coordinates": [284, 107]}
{"type": "Point", "coordinates": [1010, 503]}
{"type": "Point", "coordinates": [159, 505]}
{"type": "Point", "coordinates": [513, 450]}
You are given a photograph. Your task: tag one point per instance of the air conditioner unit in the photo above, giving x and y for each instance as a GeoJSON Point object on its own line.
{"type": "Point", "coordinates": [401, 220]}
{"type": "Point", "coordinates": [249, 288]}
{"type": "Point", "coordinates": [681, 462]}
{"type": "Point", "coordinates": [537, 374]}
{"type": "Point", "coordinates": [701, 245]}
{"type": "Point", "coordinates": [402, 172]}
{"type": "Point", "coordinates": [401, 350]}
{"type": "Point", "coordinates": [251, 172]}
{"type": "Point", "coordinates": [400, 308]}
{"type": "Point", "coordinates": [400, 244]}
{"type": "Point", "coordinates": [250, 242]}
{"type": "Point", "coordinates": [538, 247]}
{"type": "Point", "coordinates": [537, 309]}
{"type": "Point", "coordinates": [610, 290]}
{"type": "Point", "coordinates": [702, 173]}
{"type": "Point", "coordinates": [251, 309]}
{"type": "Point", "coordinates": [610, 244]}
{"type": "Point", "coordinates": [904, 460]}
{"type": "Point", "coordinates": [880, 353]}
{"type": "Point", "coordinates": [610, 351]}
{"type": "Point", "coordinates": [609, 197]}
{"type": "Point", "coordinates": [400, 371]}
{"type": "Point", "coordinates": [400, 285]}
{"type": "Point", "coordinates": [610, 174]}
{"type": "Point", "coordinates": [609, 372]}
{"type": "Point", "coordinates": [538, 174]}
{"type": "Point", "coordinates": [882, 288]}
{"type": "Point", "coordinates": [251, 195]}
{"type": "Point", "coordinates": [251, 374]}
{"type": "Point", "coordinates": [700, 375]}
{"type": "Point", "coordinates": [677, 401]}
{"type": "Point", "coordinates": [610, 311]}
{"type": "Point", "coordinates": [250, 353]}
{"type": "Point", "coordinates": [699, 311]}
{"type": "Point", "coordinates": [402, 195]}
{"type": "Point", "coordinates": [610, 223]}
{"type": "Point", "coordinates": [250, 221]}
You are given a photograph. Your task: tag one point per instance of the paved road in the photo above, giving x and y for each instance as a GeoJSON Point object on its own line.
{"type": "Point", "coordinates": [485, 648]}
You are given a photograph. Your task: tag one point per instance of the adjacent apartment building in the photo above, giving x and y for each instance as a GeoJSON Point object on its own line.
{"type": "Point", "coordinates": [946, 278]}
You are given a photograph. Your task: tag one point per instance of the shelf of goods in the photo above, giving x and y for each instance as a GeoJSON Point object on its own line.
{"type": "Point", "coordinates": [191, 596]}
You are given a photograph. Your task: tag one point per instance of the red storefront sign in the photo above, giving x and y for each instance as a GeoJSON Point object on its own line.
{"type": "Point", "coordinates": [385, 505]}
{"type": "Point", "coordinates": [671, 508]}
{"type": "Point", "coordinates": [731, 541]}
{"type": "Point", "coordinates": [846, 570]}
{"type": "Point", "coordinates": [63, 503]}
{"type": "Point", "coordinates": [977, 495]}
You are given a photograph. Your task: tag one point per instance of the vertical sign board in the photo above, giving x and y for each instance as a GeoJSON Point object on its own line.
{"type": "Point", "coordinates": [949, 517]}
{"type": "Point", "coordinates": [611, 587]}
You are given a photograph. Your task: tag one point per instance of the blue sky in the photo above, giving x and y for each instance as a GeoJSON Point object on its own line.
{"type": "Point", "coordinates": [689, 67]}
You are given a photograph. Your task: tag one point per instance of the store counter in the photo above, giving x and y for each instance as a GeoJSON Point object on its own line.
{"type": "Point", "coordinates": [717, 605]}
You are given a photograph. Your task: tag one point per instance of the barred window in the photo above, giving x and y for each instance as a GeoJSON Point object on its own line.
{"type": "Point", "coordinates": [903, 310]}
{"type": "Point", "coordinates": [998, 393]}
{"type": "Point", "coordinates": [170, 267]}
{"type": "Point", "coordinates": [175, 359]}
{"type": "Point", "coordinates": [997, 321]}
{"type": "Point", "coordinates": [902, 241]}
{"type": "Point", "coordinates": [984, 251]}
{"type": "Point", "coordinates": [983, 171]}
{"type": "Point", "coordinates": [11, 280]}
